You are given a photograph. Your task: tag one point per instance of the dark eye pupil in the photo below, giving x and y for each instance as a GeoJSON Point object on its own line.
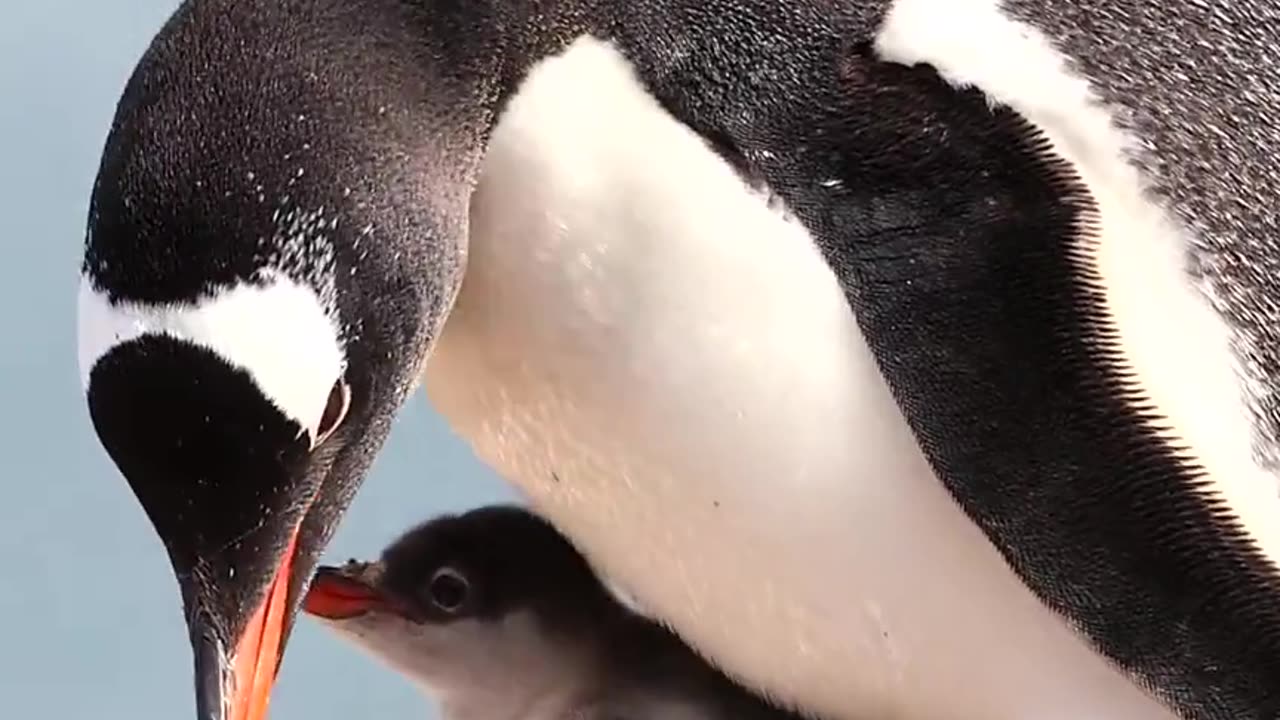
{"type": "Point", "coordinates": [448, 591]}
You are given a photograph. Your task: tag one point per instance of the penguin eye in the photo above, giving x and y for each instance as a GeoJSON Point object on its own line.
{"type": "Point", "coordinates": [335, 410]}
{"type": "Point", "coordinates": [448, 590]}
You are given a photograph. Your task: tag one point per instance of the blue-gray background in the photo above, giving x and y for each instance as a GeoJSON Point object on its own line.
{"type": "Point", "coordinates": [90, 625]}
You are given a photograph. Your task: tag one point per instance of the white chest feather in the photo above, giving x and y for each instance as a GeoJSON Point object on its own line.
{"type": "Point", "coordinates": [670, 372]}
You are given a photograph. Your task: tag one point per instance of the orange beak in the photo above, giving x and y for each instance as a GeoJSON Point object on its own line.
{"type": "Point", "coordinates": [239, 687]}
{"type": "Point", "coordinates": [335, 595]}
{"type": "Point", "coordinates": [257, 656]}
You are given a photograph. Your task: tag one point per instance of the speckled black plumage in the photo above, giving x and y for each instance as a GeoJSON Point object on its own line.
{"type": "Point", "coordinates": [1207, 143]}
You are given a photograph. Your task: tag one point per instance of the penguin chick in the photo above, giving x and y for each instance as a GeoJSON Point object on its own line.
{"type": "Point", "coordinates": [494, 614]}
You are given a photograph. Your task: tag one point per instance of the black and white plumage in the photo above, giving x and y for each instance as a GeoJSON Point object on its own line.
{"type": "Point", "coordinates": [494, 614]}
{"type": "Point", "coordinates": [953, 316]}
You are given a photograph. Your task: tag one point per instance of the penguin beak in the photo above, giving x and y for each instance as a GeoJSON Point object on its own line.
{"type": "Point", "coordinates": [341, 594]}
{"type": "Point", "coordinates": [237, 685]}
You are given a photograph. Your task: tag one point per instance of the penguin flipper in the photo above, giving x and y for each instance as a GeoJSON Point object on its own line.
{"type": "Point", "coordinates": [964, 244]}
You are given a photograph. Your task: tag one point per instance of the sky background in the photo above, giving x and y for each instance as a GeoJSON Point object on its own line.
{"type": "Point", "coordinates": [90, 621]}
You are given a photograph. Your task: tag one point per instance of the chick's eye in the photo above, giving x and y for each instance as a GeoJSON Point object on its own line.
{"type": "Point", "coordinates": [448, 590]}
{"type": "Point", "coordinates": [335, 410]}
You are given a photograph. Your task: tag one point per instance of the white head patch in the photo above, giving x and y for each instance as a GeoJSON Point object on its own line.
{"type": "Point", "coordinates": [278, 331]}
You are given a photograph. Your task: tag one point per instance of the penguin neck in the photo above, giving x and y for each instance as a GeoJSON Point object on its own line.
{"type": "Point", "coordinates": [470, 64]}
{"type": "Point", "coordinates": [450, 72]}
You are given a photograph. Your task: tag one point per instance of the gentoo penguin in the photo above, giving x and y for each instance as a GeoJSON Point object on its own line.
{"type": "Point", "coordinates": [908, 358]}
{"type": "Point", "coordinates": [496, 615]}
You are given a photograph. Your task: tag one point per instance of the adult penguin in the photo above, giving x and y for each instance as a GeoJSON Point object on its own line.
{"type": "Point", "coordinates": [910, 359]}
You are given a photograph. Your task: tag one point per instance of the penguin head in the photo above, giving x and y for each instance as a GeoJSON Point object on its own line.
{"type": "Point", "coordinates": [271, 250]}
{"type": "Point", "coordinates": [487, 607]}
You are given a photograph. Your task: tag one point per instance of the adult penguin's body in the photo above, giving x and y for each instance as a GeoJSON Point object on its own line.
{"type": "Point", "coordinates": [707, 245]}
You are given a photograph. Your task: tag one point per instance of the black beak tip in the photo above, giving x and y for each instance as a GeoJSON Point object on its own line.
{"type": "Point", "coordinates": [211, 674]}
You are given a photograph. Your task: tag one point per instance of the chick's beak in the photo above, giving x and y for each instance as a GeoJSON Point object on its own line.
{"type": "Point", "coordinates": [340, 593]}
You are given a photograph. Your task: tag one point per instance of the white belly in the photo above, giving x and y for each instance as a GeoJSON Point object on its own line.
{"type": "Point", "coordinates": [670, 372]}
